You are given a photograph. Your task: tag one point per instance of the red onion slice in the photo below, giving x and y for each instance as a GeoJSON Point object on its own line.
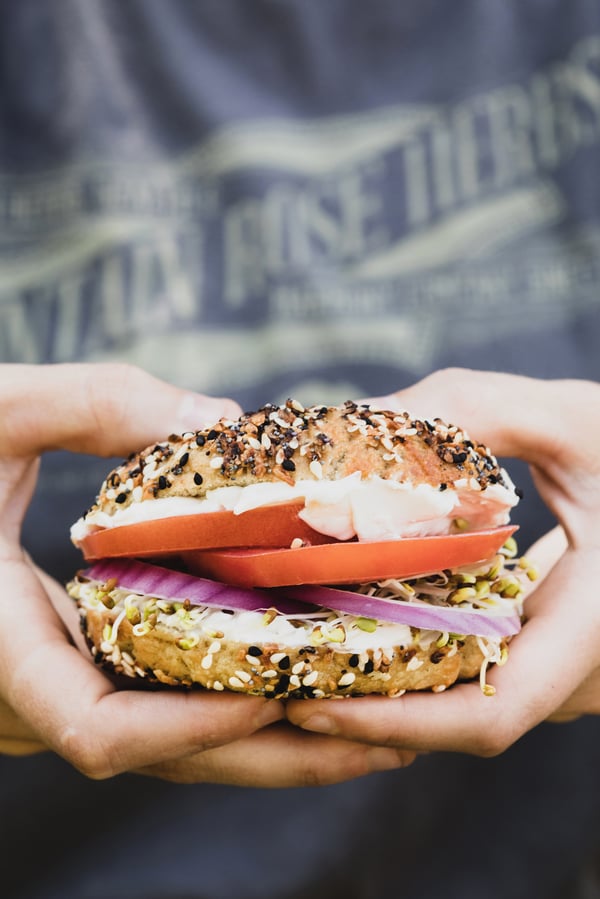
{"type": "Point", "coordinates": [163, 583]}
{"type": "Point", "coordinates": [421, 614]}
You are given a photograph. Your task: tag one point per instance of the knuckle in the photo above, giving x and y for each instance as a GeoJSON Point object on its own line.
{"type": "Point", "coordinates": [105, 387]}
{"type": "Point", "coordinates": [86, 754]}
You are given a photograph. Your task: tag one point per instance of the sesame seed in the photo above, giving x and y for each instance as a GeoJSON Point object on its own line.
{"type": "Point", "coordinates": [298, 668]}
{"type": "Point", "coordinates": [206, 662]}
{"type": "Point", "coordinates": [236, 682]}
{"type": "Point", "coordinates": [269, 673]}
{"type": "Point", "coordinates": [316, 469]}
{"type": "Point", "coordinates": [217, 462]}
{"type": "Point", "coordinates": [288, 465]}
{"type": "Point", "coordinates": [346, 679]}
{"type": "Point", "coordinates": [214, 647]}
{"type": "Point", "coordinates": [283, 683]}
{"type": "Point", "coordinates": [414, 663]}
{"type": "Point", "coordinates": [218, 685]}
{"type": "Point", "coordinates": [198, 479]}
{"type": "Point", "coordinates": [310, 679]}
{"type": "Point", "coordinates": [244, 676]}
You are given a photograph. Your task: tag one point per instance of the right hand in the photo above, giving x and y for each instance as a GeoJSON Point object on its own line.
{"type": "Point", "coordinates": [51, 695]}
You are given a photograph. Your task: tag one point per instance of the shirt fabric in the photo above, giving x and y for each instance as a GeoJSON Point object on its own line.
{"type": "Point", "coordinates": [265, 198]}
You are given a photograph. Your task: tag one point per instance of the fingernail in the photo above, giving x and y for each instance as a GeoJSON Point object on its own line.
{"type": "Point", "coordinates": [379, 759]}
{"type": "Point", "coordinates": [196, 412]}
{"type": "Point", "coordinates": [320, 724]}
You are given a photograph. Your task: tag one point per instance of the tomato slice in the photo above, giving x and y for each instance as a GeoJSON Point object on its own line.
{"type": "Point", "coordinates": [347, 563]}
{"type": "Point", "coordinates": [274, 525]}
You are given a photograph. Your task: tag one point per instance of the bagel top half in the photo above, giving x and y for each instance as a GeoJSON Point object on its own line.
{"type": "Point", "coordinates": [290, 444]}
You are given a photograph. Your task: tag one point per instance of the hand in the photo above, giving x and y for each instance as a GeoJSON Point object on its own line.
{"type": "Point", "coordinates": [553, 670]}
{"type": "Point", "coordinates": [51, 695]}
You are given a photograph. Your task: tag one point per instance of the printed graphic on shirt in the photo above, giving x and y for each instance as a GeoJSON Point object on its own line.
{"type": "Point", "coordinates": [374, 239]}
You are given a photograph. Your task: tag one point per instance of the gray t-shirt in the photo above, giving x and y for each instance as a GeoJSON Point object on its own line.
{"type": "Point", "coordinates": [264, 198]}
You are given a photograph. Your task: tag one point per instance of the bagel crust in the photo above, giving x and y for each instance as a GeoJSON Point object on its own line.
{"type": "Point", "coordinates": [290, 443]}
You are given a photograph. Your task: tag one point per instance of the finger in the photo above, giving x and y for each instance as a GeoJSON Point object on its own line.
{"type": "Point", "coordinates": [553, 654]}
{"type": "Point", "coordinates": [12, 727]}
{"type": "Point", "coordinates": [16, 737]}
{"type": "Point", "coordinates": [76, 711]}
{"type": "Point", "coordinates": [21, 747]}
{"type": "Point", "coordinates": [282, 756]}
{"type": "Point", "coordinates": [542, 425]}
{"type": "Point", "coordinates": [64, 606]}
{"type": "Point", "coordinates": [100, 409]}
{"type": "Point", "coordinates": [545, 552]}
{"type": "Point", "coordinates": [584, 701]}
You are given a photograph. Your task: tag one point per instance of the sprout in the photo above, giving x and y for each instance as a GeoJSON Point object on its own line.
{"type": "Point", "coordinates": [510, 548]}
{"type": "Point", "coordinates": [188, 642]}
{"type": "Point", "coordinates": [133, 614]}
{"type": "Point", "coordinates": [106, 599]}
{"type": "Point", "coordinates": [463, 594]}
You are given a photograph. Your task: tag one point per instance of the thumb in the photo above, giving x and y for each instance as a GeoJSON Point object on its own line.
{"type": "Point", "coordinates": [104, 409]}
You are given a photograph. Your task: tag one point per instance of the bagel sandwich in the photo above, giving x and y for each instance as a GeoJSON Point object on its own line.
{"type": "Point", "coordinates": [304, 552]}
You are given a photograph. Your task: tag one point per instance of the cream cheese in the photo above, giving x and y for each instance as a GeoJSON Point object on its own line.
{"type": "Point", "coordinates": [371, 508]}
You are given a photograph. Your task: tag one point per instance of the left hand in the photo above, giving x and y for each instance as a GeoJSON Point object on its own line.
{"type": "Point", "coordinates": [553, 670]}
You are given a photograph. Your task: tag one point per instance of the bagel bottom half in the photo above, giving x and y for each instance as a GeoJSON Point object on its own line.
{"type": "Point", "coordinates": [269, 654]}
